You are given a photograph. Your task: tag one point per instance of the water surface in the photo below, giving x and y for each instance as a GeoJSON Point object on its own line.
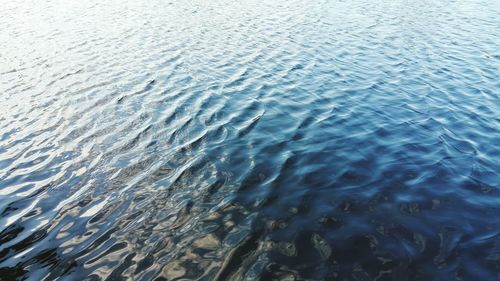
{"type": "Point", "coordinates": [249, 140]}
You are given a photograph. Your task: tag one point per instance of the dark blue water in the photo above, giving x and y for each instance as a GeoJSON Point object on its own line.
{"type": "Point", "coordinates": [250, 140]}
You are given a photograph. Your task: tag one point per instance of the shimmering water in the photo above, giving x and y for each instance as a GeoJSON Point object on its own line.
{"type": "Point", "coordinates": [250, 140]}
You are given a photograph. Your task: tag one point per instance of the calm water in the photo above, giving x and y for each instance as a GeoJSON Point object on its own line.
{"type": "Point", "coordinates": [250, 140]}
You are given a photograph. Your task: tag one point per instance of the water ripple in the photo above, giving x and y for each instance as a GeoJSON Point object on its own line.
{"type": "Point", "coordinates": [219, 140]}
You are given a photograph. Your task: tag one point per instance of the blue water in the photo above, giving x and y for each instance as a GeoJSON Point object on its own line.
{"type": "Point", "coordinates": [250, 140]}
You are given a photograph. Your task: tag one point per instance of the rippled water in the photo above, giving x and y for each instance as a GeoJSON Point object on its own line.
{"type": "Point", "coordinates": [246, 140]}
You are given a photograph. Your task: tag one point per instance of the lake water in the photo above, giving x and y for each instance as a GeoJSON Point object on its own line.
{"type": "Point", "coordinates": [250, 140]}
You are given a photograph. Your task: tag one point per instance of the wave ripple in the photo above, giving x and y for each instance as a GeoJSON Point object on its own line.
{"type": "Point", "coordinates": [256, 140]}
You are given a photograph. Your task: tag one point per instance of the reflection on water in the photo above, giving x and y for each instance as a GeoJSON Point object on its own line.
{"type": "Point", "coordinates": [229, 140]}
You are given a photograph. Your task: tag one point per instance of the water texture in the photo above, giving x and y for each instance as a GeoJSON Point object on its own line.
{"type": "Point", "coordinates": [249, 140]}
